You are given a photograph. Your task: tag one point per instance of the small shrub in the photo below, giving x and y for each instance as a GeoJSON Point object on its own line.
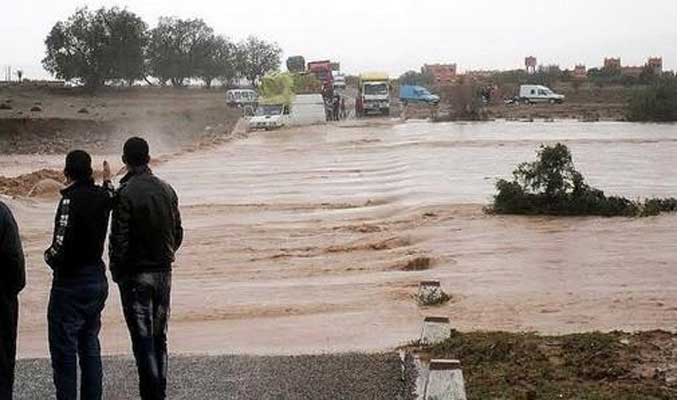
{"type": "Point", "coordinates": [83, 111]}
{"type": "Point", "coordinates": [433, 298]}
{"type": "Point", "coordinates": [463, 102]}
{"type": "Point", "coordinates": [551, 185]}
{"type": "Point", "coordinates": [5, 106]}
{"type": "Point", "coordinates": [36, 109]}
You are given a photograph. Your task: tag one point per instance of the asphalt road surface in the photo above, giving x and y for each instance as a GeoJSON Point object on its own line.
{"type": "Point", "coordinates": [338, 376]}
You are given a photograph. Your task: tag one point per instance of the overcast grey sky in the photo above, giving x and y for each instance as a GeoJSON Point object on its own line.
{"type": "Point", "coordinates": [394, 35]}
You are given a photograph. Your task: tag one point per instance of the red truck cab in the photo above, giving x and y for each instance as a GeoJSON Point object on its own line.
{"type": "Point", "coordinates": [323, 71]}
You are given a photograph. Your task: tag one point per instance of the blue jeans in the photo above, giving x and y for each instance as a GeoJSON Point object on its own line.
{"type": "Point", "coordinates": [74, 321]}
{"type": "Point", "coordinates": [146, 305]}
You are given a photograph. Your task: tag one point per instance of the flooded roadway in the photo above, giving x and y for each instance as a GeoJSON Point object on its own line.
{"type": "Point", "coordinates": [297, 241]}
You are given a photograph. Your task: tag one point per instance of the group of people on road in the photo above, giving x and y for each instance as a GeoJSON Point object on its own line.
{"type": "Point", "coordinates": [335, 108]}
{"type": "Point", "coordinates": [146, 231]}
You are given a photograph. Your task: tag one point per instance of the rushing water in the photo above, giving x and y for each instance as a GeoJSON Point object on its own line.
{"type": "Point", "coordinates": [425, 163]}
{"type": "Point", "coordinates": [296, 240]}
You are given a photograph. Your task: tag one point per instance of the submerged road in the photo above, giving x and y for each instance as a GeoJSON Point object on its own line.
{"type": "Point", "coordinates": [302, 241]}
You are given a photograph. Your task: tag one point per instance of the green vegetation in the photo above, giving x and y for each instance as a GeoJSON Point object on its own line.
{"type": "Point", "coordinates": [464, 103]}
{"type": "Point", "coordinates": [551, 185]}
{"type": "Point", "coordinates": [95, 46]}
{"type": "Point", "coordinates": [602, 366]}
{"type": "Point", "coordinates": [656, 102]}
{"type": "Point", "coordinates": [416, 78]}
{"type": "Point", "coordinates": [110, 46]}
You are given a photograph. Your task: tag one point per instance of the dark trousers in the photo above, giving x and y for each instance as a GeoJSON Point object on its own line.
{"type": "Point", "coordinates": [146, 305]}
{"type": "Point", "coordinates": [74, 321]}
{"type": "Point", "coordinates": [9, 312]}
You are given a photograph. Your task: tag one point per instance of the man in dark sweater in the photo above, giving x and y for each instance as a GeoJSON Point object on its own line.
{"type": "Point", "coordinates": [79, 287]}
{"type": "Point", "coordinates": [12, 280]}
{"type": "Point", "coordinates": [146, 230]}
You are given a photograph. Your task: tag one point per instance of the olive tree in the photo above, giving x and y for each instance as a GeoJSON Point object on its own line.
{"type": "Point", "coordinates": [257, 57]}
{"type": "Point", "coordinates": [96, 46]}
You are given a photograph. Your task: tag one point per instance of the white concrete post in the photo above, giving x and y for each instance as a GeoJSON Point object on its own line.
{"type": "Point", "coordinates": [445, 381]}
{"type": "Point", "coordinates": [435, 330]}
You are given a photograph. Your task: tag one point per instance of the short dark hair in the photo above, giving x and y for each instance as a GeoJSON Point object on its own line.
{"type": "Point", "coordinates": [78, 166]}
{"type": "Point", "coordinates": [136, 152]}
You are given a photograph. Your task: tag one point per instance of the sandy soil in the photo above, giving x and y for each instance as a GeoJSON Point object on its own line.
{"type": "Point", "coordinates": [297, 240]}
{"type": "Point", "coordinates": [168, 118]}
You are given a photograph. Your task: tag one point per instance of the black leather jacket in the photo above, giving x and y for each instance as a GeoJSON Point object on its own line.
{"type": "Point", "coordinates": [146, 227]}
{"type": "Point", "coordinates": [12, 265]}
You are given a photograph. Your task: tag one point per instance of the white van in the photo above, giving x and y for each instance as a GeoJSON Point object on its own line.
{"type": "Point", "coordinates": [269, 116]}
{"type": "Point", "coordinates": [530, 94]}
{"type": "Point", "coordinates": [339, 80]}
{"type": "Point", "coordinates": [241, 97]}
{"type": "Point", "coordinates": [308, 109]}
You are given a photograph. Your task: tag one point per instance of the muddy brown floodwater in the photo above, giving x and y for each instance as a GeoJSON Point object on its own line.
{"type": "Point", "coordinates": [302, 241]}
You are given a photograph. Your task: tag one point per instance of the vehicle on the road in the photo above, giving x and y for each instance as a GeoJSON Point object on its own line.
{"type": "Point", "coordinates": [324, 72]}
{"type": "Point", "coordinates": [270, 116]}
{"type": "Point", "coordinates": [416, 94]}
{"type": "Point", "coordinates": [339, 80]}
{"type": "Point", "coordinates": [304, 109]}
{"type": "Point", "coordinates": [530, 94]}
{"type": "Point", "coordinates": [241, 98]}
{"type": "Point", "coordinates": [307, 109]}
{"type": "Point", "coordinates": [373, 94]}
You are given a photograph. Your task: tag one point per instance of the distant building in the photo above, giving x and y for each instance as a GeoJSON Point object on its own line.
{"type": "Point", "coordinates": [579, 72]}
{"type": "Point", "coordinates": [550, 68]}
{"type": "Point", "coordinates": [612, 64]}
{"type": "Point", "coordinates": [633, 71]}
{"type": "Point", "coordinates": [441, 73]}
{"type": "Point", "coordinates": [530, 64]}
{"type": "Point", "coordinates": [656, 64]}
{"type": "Point", "coordinates": [480, 74]}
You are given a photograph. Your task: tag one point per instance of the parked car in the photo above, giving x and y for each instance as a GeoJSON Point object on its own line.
{"type": "Point", "coordinates": [416, 94]}
{"type": "Point", "coordinates": [530, 94]}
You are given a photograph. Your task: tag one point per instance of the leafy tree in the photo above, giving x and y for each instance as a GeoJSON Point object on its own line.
{"type": "Point", "coordinates": [127, 35]}
{"type": "Point", "coordinates": [296, 64]}
{"type": "Point", "coordinates": [96, 46]}
{"type": "Point", "coordinates": [216, 59]}
{"type": "Point", "coordinates": [177, 48]}
{"type": "Point", "coordinates": [258, 57]}
{"type": "Point", "coordinates": [416, 78]}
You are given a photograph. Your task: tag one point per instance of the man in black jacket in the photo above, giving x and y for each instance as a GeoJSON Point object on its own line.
{"type": "Point", "coordinates": [12, 280]}
{"type": "Point", "coordinates": [146, 230]}
{"type": "Point", "coordinates": [79, 287]}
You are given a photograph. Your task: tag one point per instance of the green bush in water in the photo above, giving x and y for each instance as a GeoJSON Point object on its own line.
{"type": "Point", "coordinates": [552, 186]}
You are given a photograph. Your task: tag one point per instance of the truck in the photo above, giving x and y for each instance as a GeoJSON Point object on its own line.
{"type": "Point", "coordinates": [324, 72]}
{"type": "Point", "coordinates": [373, 94]}
{"type": "Point", "coordinates": [530, 94]}
{"type": "Point", "coordinates": [339, 80]}
{"type": "Point", "coordinates": [416, 94]}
